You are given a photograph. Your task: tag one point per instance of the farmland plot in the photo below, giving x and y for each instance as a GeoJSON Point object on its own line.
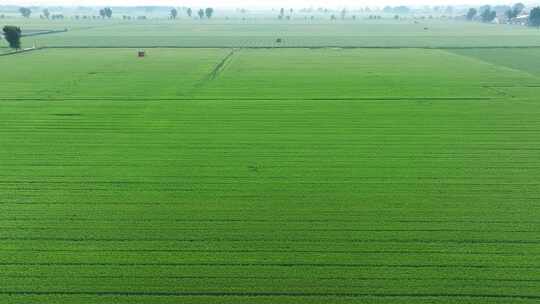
{"type": "Point", "coordinates": [294, 33]}
{"type": "Point", "coordinates": [265, 176]}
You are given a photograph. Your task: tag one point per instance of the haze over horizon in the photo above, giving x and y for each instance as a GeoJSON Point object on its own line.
{"type": "Point", "coordinates": [253, 3]}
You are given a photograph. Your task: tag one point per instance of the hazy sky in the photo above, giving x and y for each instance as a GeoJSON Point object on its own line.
{"type": "Point", "coordinates": [253, 3]}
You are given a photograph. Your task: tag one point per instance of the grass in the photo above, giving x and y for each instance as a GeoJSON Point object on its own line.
{"type": "Point", "coordinates": [516, 59]}
{"type": "Point", "coordinates": [264, 176]}
{"type": "Point", "coordinates": [263, 33]}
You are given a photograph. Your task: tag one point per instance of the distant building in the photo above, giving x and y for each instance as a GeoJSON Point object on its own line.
{"type": "Point", "coordinates": [522, 19]}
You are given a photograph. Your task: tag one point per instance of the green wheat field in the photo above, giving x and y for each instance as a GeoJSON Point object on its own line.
{"type": "Point", "coordinates": [313, 174]}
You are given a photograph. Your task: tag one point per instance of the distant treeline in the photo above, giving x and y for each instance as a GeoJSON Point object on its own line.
{"type": "Point", "coordinates": [515, 14]}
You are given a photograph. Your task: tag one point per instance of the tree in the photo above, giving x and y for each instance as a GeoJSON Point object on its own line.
{"type": "Point", "coordinates": [483, 8]}
{"type": "Point", "coordinates": [201, 13]}
{"type": "Point", "coordinates": [514, 11]}
{"type": "Point", "coordinates": [518, 8]}
{"type": "Point", "coordinates": [209, 12]}
{"type": "Point", "coordinates": [105, 12]}
{"type": "Point", "coordinates": [189, 12]}
{"type": "Point", "coordinates": [13, 36]}
{"type": "Point", "coordinates": [174, 13]}
{"type": "Point", "coordinates": [509, 14]}
{"type": "Point", "coordinates": [281, 13]}
{"type": "Point", "coordinates": [343, 13]}
{"type": "Point", "coordinates": [534, 17]}
{"type": "Point", "coordinates": [471, 14]}
{"type": "Point", "coordinates": [46, 13]}
{"type": "Point", "coordinates": [487, 14]}
{"type": "Point", "coordinates": [25, 12]}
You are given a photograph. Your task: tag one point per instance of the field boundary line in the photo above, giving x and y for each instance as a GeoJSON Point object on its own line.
{"type": "Point", "coordinates": [44, 33]}
{"type": "Point", "coordinates": [353, 252]}
{"type": "Point", "coordinates": [23, 51]}
{"type": "Point", "coordinates": [292, 98]}
{"type": "Point", "coordinates": [497, 88]}
{"type": "Point", "coordinates": [248, 277]}
{"type": "Point", "coordinates": [238, 47]}
{"type": "Point", "coordinates": [333, 241]}
{"type": "Point", "coordinates": [268, 294]}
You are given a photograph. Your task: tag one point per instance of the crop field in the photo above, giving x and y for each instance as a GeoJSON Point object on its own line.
{"type": "Point", "coordinates": [301, 175]}
{"type": "Point", "coordinates": [294, 33]}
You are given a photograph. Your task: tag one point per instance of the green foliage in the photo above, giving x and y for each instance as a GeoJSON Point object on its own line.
{"type": "Point", "coordinates": [534, 17]}
{"type": "Point", "coordinates": [281, 13]}
{"type": "Point", "coordinates": [189, 12]}
{"type": "Point", "coordinates": [13, 36]}
{"type": "Point", "coordinates": [201, 13]}
{"type": "Point", "coordinates": [514, 11]}
{"type": "Point", "coordinates": [518, 8]}
{"type": "Point", "coordinates": [106, 12]}
{"type": "Point", "coordinates": [46, 13]}
{"type": "Point", "coordinates": [487, 14]}
{"type": "Point", "coordinates": [471, 13]}
{"type": "Point", "coordinates": [343, 14]}
{"type": "Point", "coordinates": [209, 12]}
{"type": "Point", "coordinates": [510, 14]}
{"type": "Point", "coordinates": [174, 13]}
{"type": "Point", "coordinates": [25, 12]}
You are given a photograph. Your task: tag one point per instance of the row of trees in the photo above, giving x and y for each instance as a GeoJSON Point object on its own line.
{"type": "Point", "coordinates": [46, 14]}
{"type": "Point", "coordinates": [515, 11]}
{"type": "Point", "coordinates": [282, 13]}
{"type": "Point", "coordinates": [487, 14]}
{"type": "Point", "coordinates": [107, 13]}
{"type": "Point", "coordinates": [202, 13]}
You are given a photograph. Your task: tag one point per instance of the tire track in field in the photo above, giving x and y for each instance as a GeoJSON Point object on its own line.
{"type": "Point", "coordinates": [219, 68]}
{"type": "Point", "coordinates": [216, 71]}
{"type": "Point", "coordinates": [270, 294]}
